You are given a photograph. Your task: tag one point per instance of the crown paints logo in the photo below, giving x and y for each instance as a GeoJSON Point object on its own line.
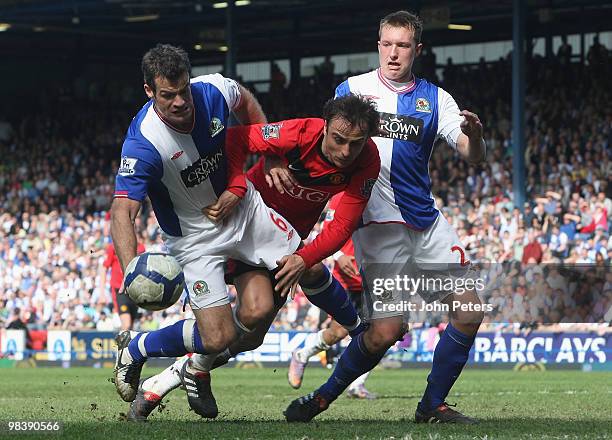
{"type": "Point", "coordinates": [201, 169]}
{"type": "Point", "coordinates": [400, 127]}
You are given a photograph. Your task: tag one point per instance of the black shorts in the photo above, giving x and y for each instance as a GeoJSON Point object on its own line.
{"type": "Point", "coordinates": [235, 268]}
{"type": "Point", "coordinates": [123, 304]}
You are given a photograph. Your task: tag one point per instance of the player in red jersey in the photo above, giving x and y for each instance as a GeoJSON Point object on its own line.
{"type": "Point", "coordinates": [122, 304]}
{"type": "Point", "coordinates": [326, 156]}
{"type": "Point", "coordinates": [345, 271]}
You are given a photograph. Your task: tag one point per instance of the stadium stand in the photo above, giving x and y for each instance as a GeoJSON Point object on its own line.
{"type": "Point", "coordinates": [58, 167]}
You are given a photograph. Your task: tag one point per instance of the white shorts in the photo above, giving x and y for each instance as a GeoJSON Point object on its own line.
{"type": "Point", "coordinates": [254, 234]}
{"type": "Point", "coordinates": [392, 250]}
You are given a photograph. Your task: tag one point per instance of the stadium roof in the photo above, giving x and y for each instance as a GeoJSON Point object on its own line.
{"type": "Point", "coordinates": [119, 30]}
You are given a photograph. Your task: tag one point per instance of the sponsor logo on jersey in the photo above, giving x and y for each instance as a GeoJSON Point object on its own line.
{"type": "Point", "coordinates": [336, 179]}
{"type": "Point", "coordinates": [400, 127]}
{"type": "Point", "coordinates": [177, 155]}
{"type": "Point", "coordinates": [309, 194]}
{"type": "Point", "coordinates": [422, 105]}
{"type": "Point", "coordinates": [366, 189]}
{"type": "Point", "coordinates": [271, 131]}
{"type": "Point", "coordinates": [201, 169]}
{"type": "Point", "coordinates": [200, 288]}
{"type": "Point", "coordinates": [215, 127]}
{"type": "Point", "coordinates": [127, 166]}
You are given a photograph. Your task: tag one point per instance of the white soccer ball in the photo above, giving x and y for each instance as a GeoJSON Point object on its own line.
{"type": "Point", "coordinates": [154, 281]}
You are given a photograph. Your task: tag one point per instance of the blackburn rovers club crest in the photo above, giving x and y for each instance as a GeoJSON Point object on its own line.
{"type": "Point", "coordinates": [215, 127]}
{"type": "Point", "coordinates": [271, 131]}
{"type": "Point", "coordinates": [422, 105]}
{"type": "Point", "coordinates": [336, 179]}
{"type": "Point", "coordinates": [200, 288]}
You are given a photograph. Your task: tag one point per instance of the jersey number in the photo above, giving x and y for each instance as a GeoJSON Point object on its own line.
{"type": "Point", "coordinates": [279, 222]}
{"type": "Point", "coordinates": [463, 262]}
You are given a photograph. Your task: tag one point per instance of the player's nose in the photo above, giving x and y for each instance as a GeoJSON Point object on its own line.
{"type": "Point", "coordinates": [179, 101]}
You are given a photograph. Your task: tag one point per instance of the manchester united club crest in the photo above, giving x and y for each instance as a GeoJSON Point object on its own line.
{"type": "Point", "coordinates": [336, 179]}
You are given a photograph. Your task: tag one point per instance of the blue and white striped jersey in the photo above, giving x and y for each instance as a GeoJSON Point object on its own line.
{"type": "Point", "coordinates": [413, 116]}
{"type": "Point", "coordinates": [180, 172]}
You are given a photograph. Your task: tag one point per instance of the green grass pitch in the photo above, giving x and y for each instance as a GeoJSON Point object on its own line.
{"type": "Point", "coordinates": [550, 404]}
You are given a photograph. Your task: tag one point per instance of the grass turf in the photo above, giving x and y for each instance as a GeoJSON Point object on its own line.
{"type": "Point", "coordinates": [551, 404]}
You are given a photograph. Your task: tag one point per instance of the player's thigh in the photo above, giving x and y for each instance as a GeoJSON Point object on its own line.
{"type": "Point", "coordinates": [440, 261]}
{"type": "Point", "coordinates": [255, 296]}
{"type": "Point", "coordinates": [209, 300]}
{"type": "Point", "coordinates": [313, 274]}
{"type": "Point", "coordinates": [267, 236]}
{"type": "Point", "coordinates": [439, 244]}
{"type": "Point", "coordinates": [383, 253]}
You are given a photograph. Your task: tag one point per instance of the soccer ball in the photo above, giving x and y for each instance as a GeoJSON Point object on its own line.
{"type": "Point", "coordinates": [154, 281]}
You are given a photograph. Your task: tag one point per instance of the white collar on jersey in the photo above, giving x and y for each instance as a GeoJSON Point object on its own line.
{"type": "Point", "coordinates": [397, 87]}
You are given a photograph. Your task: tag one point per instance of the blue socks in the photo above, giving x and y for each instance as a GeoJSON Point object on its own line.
{"type": "Point", "coordinates": [175, 340]}
{"type": "Point", "coordinates": [450, 356]}
{"type": "Point", "coordinates": [329, 295]}
{"type": "Point", "coordinates": [355, 361]}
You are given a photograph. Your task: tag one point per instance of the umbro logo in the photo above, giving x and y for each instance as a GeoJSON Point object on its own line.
{"type": "Point", "coordinates": [177, 155]}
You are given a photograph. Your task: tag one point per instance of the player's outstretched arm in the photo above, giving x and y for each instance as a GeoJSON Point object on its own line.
{"type": "Point", "coordinates": [470, 144]}
{"type": "Point", "coordinates": [249, 111]}
{"type": "Point", "coordinates": [123, 217]}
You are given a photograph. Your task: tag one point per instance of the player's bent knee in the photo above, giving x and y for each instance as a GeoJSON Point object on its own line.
{"type": "Point", "coordinates": [253, 314]}
{"type": "Point", "coordinates": [312, 275]}
{"type": "Point", "coordinates": [383, 334]}
{"type": "Point", "coordinates": [216, 342]}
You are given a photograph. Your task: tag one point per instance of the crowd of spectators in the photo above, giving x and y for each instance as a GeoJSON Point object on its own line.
{"type": "Point", "coordinates": [58, 167]}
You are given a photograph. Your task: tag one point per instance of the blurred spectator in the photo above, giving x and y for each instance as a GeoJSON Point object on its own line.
{"type": "Point", "coordinates": [564, 54]}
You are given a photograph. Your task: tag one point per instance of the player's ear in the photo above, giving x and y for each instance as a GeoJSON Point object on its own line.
{"type": "Point", "coordinates": [149, 91]}
{"type": "Point", "coordinates": [419, 48]}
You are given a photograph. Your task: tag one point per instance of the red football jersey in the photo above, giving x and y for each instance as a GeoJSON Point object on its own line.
{"type": "Point", "coordinates": [112, 261]}
{"type": "Point", "coordinates": [298, 142]}
{"type": "Point", "coordinates": [350, 283]}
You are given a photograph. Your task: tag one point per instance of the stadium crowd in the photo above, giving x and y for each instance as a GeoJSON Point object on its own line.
{"type": "Point", "coordinates": [58, 168]}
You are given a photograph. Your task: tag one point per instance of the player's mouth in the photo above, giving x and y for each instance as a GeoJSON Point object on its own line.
{"type": "Point", "coordinates": [343, 163]}
{"type": "Point", "coordinates": [393, 66]}
{"type": "Point", "coordinates": [181, 112]}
